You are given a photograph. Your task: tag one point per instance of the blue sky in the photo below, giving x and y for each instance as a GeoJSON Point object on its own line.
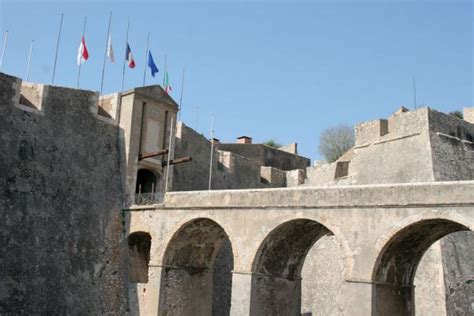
{"type": "Point", "coordinates": [268, 69]}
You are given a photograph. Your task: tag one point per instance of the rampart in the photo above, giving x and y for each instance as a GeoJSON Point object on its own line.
{"type": "Point", "coordinates": [61, 227]}
{"type": "Point", "coordinates": [229, 169]}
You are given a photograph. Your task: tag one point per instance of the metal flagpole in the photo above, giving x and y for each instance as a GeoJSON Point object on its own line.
{"type": "Point", "coordinates": [414, 91]}
{"type": "Point", "coordinates": [29, 61]}
{"type": "Point", "coordinates": [4, 48]}
{"type": "Point", "coordinates": [146, 58]}
{"type": "Point", "coordinates": [181, 96]}
{"type": "Point", "coordinates": [105, 54]}
{"type": "Point", "coordinates": [57, 47]}
{"type": "Point", "coordinates": [212, 151]}
{"type": "Point", "coordinates": [164, 72]}
{"type": "Point", "coordinates": [83, 48]}
{"type": "Point", "coordinates": [125, 59]}
{"type": "Point", "coordinates": [169, 155]}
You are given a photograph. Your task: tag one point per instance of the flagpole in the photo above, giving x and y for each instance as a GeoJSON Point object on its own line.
{"type": "Point", "coordinates": [105, 54]}
{"type": "Point", "coordinates": [414, 91]}
{"type": "Point", "coordinates": [57, 47]}
{"type": "Point", "coordinates": [4, 48]}
{"type": "Point", "coordinates": [170, 150]}
{"type": "Point", "coordinates": [181, 96]}
{"type": "Point", "coordinates": [164, 72]}
{"type": "Point", "coordinates": [83, 49]}
{"type": "Point", "coordinates": [29, 61]}
{"type": "Point", "coordinates": [212, 151]}
{"type": "Point", "coordinates": [125, 59]}
{"type": "Point", "coordinates": [146, 57]}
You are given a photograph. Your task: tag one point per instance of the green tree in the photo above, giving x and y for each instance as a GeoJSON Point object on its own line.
{"type": "Point", "coordinates": [457, 114]}
{"type": "Point", "coordinates": [335, 141]}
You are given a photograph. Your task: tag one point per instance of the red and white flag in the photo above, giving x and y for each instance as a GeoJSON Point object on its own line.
{"type": "Point", "coordinates": [82, 53]}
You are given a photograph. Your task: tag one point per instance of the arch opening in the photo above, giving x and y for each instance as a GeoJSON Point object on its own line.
{"type": "Point", "coordinates": [395, 268]}
{"type": "Point", "coordinates": [276, 280]}
{"type": "Point", "coordinates": [197, 269]}
{"type": "Point", "coordinates": [139, 244]}
{"type": "Point", "coordinates": [147, 181]}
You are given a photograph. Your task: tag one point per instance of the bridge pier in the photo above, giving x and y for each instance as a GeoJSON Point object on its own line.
{"type": "Point", "coordinates": [241, 293]}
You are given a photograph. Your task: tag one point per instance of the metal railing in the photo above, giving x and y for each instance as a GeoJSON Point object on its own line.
{"type": "Point", "coordinates": [144, 198]}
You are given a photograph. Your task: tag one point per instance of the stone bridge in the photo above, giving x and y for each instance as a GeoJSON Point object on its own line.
{"type": "Point", "coordinates": [383, 231]}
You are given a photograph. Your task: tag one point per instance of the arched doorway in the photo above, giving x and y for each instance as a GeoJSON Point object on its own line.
{"type": "Point", "coordinates": [147, 181]}
{"type": "Point", "coordinates": [197, 271]}
{"type": "Point", "coordinates": [276, 281]}
{"type": "Point", "coordinates": [395, 268]}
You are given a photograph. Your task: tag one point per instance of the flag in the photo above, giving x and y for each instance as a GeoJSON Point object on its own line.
{"type": "Point", "coordinates": [129, 57]}
{"type": "Point", "coordinates": [110, 50]}
{"type": "Point", "coordinates": [152, 65]}
{"type": "Point", "coordinates": [167, 85]}
{"type": "Point", "coordinates": [82, 53]}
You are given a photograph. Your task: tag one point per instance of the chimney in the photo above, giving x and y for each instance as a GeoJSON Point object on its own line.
{"type": "Point", "coordinates": [244, 140]}
{"type": "Point", "coordinates": [215, 141]}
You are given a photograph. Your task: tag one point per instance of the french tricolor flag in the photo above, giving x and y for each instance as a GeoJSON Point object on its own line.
{"type": "Point", "coordinates": [129, 57]}
{"type": "Point", "coordinates": [82, 53]}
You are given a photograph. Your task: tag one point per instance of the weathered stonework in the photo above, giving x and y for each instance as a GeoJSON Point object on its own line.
{"type": "Point", "coordinates": [359, 244]}
{"type": "Point", "coordinates": [61, 230]}
{"type": "Point", "coordinates": [378, 229]}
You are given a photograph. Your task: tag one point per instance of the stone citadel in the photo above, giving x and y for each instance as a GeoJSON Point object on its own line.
{"type": "Point", "coordinates": [88, 229]}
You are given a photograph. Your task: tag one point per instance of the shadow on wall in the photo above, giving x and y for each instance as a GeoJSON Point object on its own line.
{"type": "Point", "coordinates": [197, 271]}
{"type": "Point", "coordinates": [60, 178]}
{"type": "Point", "coordinates": [276, 280]}
{"type": "Point", "coordinates": [393, 292]}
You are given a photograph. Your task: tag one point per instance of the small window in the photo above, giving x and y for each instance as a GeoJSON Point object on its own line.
{"type": "Point", "coordinates": [342, 169]}
{"type": "Point", "coordinates": [139, 244]}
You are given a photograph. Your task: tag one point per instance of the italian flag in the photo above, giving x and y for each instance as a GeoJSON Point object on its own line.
{"type": "Point", "coordinates": [82, 53]}
{"type": "Point", "coordinates": [166, 84]}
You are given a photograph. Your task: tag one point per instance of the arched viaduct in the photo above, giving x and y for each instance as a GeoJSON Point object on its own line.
{"type": "Point", "coordinates": [383, 231]}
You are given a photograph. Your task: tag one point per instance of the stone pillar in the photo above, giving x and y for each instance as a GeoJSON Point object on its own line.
{"type": "Point", "coordinates": [358, 298]}
{"type": "Point", "coordinates": [241, 293]}
{"type": "Point", "coordinates": [143, 297]}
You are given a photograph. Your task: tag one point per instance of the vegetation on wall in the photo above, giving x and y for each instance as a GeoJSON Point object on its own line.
{"type": "Point", "coordinates": [272, 143]}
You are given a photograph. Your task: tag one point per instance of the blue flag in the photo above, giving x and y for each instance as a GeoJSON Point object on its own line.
{"type": "Point", "coordinates": [152, 65]}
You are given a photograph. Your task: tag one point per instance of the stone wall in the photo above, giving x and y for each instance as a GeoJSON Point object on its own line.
{"type": "Point", "coordinates": [61, 227]}
{"type": "Point", "coordinates": [267, 156]}
{"type": "Point", "coordinates": [452, 147]}
{"type": "Point", "coordinates": [230, 170]}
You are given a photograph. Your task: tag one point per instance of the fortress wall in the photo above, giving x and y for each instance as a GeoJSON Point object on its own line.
{"type": "Point", "coordinates": [452, 142]}
{"type": "Point", "coordinates": [267, 156]}
{"type": "Point", "coordinates": [452, 145]}
{"type": "Point", "coordinates": [400, 156]}
{"type": "Point", "coordinates": [230, 171]}
{"type": "Point", "coordinates": [61, 227]}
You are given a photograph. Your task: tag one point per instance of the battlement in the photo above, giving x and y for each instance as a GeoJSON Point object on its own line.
{"type": "Point", "coordinates": [47, 100]}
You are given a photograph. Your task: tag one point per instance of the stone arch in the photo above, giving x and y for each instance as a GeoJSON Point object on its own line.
{"type": "Point", "coordinates": [395, 266]}
{"type": "Point", "coordinates": [196, 274]}
{"type": "Point", "coordinates": [139, 244]}
{"type": "Point", "coordinates": [276, 280]}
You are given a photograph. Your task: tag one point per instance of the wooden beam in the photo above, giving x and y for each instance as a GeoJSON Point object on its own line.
{"type": "Point", "coordinates": [153, 154]}
{"type": "Point", "coordinates": [177, 161]}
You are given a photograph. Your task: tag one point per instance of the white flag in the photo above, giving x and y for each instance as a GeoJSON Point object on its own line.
{"type": "Point", "coordinates": [110, 50]}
